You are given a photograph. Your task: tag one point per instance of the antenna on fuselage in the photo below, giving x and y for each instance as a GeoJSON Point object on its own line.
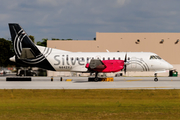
{"type": "Point", "coordinates": [107, 50]}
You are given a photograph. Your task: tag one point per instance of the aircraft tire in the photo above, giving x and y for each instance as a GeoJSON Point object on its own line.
{"type": "Point", "coordinates": [155, 79]}
{"type": "Point", "coordinates": [96, 79]}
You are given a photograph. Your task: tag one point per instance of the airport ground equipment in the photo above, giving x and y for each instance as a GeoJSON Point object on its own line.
{"type": "Point", "coordinates": [61, 79]}
{"type": "Point", "coordinates": [22, 72]}
{"type": "Point", "coordinates": [68, 80]}
{"type": "Point", "coordinates": [173, 73]}
{"type": "Point", "coordinates": [108, 79]}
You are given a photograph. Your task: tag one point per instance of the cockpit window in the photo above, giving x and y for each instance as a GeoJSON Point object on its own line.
{"type": "Point", "coordinates": [158, 57]}
{"type": "Point", "coordinates": [154, 57]}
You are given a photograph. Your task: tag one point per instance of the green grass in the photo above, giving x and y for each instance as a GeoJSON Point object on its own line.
{"type": "Point", "coordinates": [89, 104]}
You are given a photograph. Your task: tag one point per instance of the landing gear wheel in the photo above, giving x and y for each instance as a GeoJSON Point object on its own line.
{"type": "Point", "coordinates": [155, 79]}
{"type": "Point", "coordinates": [96, 79]}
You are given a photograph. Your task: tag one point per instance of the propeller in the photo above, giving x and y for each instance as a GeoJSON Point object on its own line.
{"type": "Point", "coordinates": [125, 60]}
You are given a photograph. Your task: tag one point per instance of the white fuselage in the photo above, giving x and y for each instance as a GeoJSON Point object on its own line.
{"type": "Point", "coordinates": [76, 61]}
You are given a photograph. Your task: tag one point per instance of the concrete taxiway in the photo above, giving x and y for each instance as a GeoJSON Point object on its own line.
{"type": "Point", "coordinates": [82, 83]}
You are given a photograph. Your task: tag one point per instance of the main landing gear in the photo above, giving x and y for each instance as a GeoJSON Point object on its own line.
{"type": "Point", "coordinates": [155, 79]}
{"type": "Point", "coordinates": [96, 77]}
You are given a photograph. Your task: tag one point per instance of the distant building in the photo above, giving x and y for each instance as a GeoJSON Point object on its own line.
{"type": "Point", "coordinates": [166, 45]}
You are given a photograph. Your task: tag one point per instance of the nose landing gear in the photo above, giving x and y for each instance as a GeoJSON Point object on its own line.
{"type": "Point", "coordinates": [155, 79]}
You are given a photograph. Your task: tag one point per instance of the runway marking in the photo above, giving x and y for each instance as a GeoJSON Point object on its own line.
{"type": "Point", "coordinates": [134, 88]}
{"type": "Point", "coordinates": [134, 80]}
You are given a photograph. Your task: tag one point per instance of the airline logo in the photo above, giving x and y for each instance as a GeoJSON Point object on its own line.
{"type": "Point", "coordinates": [20, 36]}
{"type": "Point", "coordinates": [66, 60]}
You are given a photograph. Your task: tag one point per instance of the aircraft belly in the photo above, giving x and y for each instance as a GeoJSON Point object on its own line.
{"type": "Point", "coordinates": [78, 69]}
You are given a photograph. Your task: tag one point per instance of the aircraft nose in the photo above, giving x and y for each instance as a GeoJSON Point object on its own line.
{"type": "Point", "coordinates": [170, 66]}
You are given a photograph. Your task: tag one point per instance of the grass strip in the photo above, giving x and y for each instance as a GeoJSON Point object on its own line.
{"type": "Point", "coordinates": [89, 104]}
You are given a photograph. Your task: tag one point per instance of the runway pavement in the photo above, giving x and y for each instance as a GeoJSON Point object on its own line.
{"type": "Point", "coordinates": [129, 83]}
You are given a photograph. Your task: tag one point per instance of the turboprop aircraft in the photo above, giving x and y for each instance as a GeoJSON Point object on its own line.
{"type": "Point", "coordinates": [26, 52]}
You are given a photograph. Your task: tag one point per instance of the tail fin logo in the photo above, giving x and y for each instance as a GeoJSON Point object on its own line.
{"type": "Point", "coordinates": [18, 42]}
{"type": "Point", "coordinates": [21, 40]}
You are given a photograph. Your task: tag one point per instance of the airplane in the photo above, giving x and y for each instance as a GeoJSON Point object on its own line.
{"type": "Point", "coordinates": [26, 52]}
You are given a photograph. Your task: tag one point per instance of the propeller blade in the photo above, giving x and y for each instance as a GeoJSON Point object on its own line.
{"type": "Point", "coordinates": [125, 60]}
{"type": "Point", "coordinates": [125, 69]}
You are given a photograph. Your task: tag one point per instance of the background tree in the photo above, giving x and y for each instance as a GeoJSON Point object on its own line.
{"type": "Point", "coordinates": [43, 43]}
{"type": "Point", "coordinates": [32, 38]}
{"type": "Point", "coordinates": [60, 39]}
{"type": "Point", "coordinates": [55, 39]}
{"type": "Point", "coordinates": [6, 51]}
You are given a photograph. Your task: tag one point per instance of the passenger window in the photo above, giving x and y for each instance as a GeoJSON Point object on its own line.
{"type": "Point", "coordinates": [114, 58]}
{"type": "Point", "coordinates": [108, 58]}
{"type": "Point", "coordinates": [119, 58]}
{"type": "Point", "coordinates": [103, 58]}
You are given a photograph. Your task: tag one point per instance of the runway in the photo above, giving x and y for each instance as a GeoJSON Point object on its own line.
{"type": "Point", "coordinates": [125, 83]}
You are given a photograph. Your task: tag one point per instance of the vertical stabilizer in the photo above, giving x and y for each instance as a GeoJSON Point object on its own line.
{"type": "Point", "coordinates": [21, 40]}
{"type": "Point", "coordinates": [26, 51]}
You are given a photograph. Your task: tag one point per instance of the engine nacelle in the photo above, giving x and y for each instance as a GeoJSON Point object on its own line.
{"type": "Point", "coordinates": [107, 66]}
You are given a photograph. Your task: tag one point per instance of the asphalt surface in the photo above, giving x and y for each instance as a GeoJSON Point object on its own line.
{"type": "Point", "coordinates": [129, 83]}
